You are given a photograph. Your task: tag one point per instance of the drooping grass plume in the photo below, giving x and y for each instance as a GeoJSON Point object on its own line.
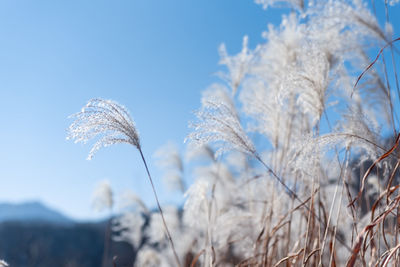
{"type": "Point", "coordinates": [112, 123]}
{"type": "Point", "coordinates": [218, 121]}
{"type": "Point", "coordinates": [106, 119]}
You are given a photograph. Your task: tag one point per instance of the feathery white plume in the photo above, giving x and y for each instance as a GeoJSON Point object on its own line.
{"type": "Point", "coordinates": [105, 118]}
{"type": "Point", "coordinates": [293, 3]}
{"type": "Point", "coordinates": [129, 228]}
{"type": "Point", "coordinates": [237, 65]}
{"type": "Point", "coordinates": [170, 161]}
{"type": "Point", "coordinates": [219, 122]}
{"type": "Point", "coordinates": [102, 198]}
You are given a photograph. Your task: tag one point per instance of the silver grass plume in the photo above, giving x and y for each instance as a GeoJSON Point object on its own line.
{"type": "Point", "coordinates": [218, 122]}
{"type": "Point", "coordinates": [104, 118]}
{"type": "Point", "coordinates": [170, 162]}
{"type": "Point", "coordinates": [112, 121]}
{"type": "Point", "coordinates": [102, 198]}
{"type": "Point", "coordinates": [298, 4]}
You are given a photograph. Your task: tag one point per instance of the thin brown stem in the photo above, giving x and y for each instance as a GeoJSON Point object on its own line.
{"type": "Point", "coordinates": [160, 209]}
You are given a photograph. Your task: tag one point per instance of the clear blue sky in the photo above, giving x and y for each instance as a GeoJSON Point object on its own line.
{"type": "Point", "coordinates": [154, 57]}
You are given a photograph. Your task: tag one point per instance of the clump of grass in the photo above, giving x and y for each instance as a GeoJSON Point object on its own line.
{"type": "Point", "coordinates": [324, 190]}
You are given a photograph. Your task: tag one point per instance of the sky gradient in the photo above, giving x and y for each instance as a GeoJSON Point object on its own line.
{"type": "Point", "coordinates": [154, 57]}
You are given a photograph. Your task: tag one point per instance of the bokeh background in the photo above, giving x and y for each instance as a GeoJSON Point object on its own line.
{"type": "Point", "coordinates": [154, 57]}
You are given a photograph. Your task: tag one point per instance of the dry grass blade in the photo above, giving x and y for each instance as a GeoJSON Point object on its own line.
{"type": "Point", "coordinates": [197, 258]}
{"type": "Point", "coordinates": [292, 194]}
{"type": "Point", "coordinates": [366, 230]}
{"type": "Point", "coordinates": [389, 184]}
{"type": "Point", "coordinates": [295, 255]}
{"type": "Point", "coordinates": [358, 244]}
{"type": "Point", "coordinates": [373, 63]}
{"type": "Point", "coordinates": [392, 251]}
{"type": "Point", "coordinates": [311, 254]}
{"type": "Point", "coordinates": [333, 253]}
{"type": "Point", "coordinates": [390, 151]}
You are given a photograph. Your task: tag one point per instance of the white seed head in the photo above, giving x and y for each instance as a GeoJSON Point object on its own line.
{"type": "Point", "coordinates": [102, 198]}
{"type": "Point", "coordinates": [219, 122]}
{"type": "Point", "coordinates": [104, 118]}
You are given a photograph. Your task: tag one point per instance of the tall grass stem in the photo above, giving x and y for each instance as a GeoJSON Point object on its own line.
{"type": "Point", "coordinates": [160, 209]}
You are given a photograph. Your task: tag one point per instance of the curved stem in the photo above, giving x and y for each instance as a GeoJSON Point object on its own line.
{"type": "Point", "coordinates": [159, 208]}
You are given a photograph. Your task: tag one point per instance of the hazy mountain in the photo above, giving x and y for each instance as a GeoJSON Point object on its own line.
{"type": "Point", "coordinates": [33, 235]}
{"type": "Point", "coordinates": [31, 211]}
{"type": "Point", "coordinates": [42, 244]}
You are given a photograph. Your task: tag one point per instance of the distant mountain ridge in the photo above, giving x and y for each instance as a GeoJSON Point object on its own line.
{"type": "Point", "coordinates": [34, 235]}
{"type": "Point", "coordinates": [31, 212]}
